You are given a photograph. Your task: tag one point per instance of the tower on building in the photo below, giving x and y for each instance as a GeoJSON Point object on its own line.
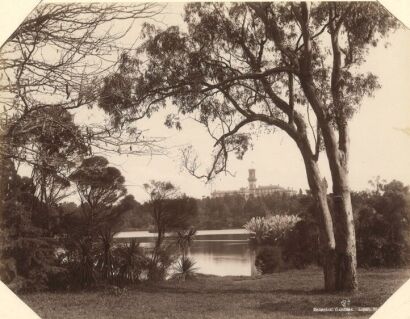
{"type": "Point", "coordinates": [253, 190]}
{"type": "Point", "coordinates": [252, 179]}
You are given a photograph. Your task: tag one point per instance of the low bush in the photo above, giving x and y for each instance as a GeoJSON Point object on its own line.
{"type": "Point", "coordinates": [269, 259]}
{"type": "Point", "coordinates": [160, 263]}
{"type": "Point", "coordinates": [131, 262]}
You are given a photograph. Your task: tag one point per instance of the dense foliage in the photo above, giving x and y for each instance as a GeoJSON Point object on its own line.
{"type": "Point", "coordinates": [383, 226]}
{"type": "Point", "coordinates": [235, 211]}
{"type": "Point", "coordinates": [70, 247]}
{"type": "Point", "coordinates": [269, 259]}
{"type": "Point", "coordinates": [26, 245]}
{"type": "Point", "coordinates": [381, 222]}
{"type": "Point", "coordinates": [50, 65]}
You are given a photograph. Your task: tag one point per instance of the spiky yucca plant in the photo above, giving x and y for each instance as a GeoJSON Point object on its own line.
{"type": "Point", "coordinates": [184, 268]}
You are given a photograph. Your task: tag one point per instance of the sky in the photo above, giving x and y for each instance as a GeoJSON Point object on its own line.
{"type": "Point", "coordinates": [379, 146]}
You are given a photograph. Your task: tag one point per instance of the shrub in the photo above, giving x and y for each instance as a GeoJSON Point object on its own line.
{"type": "Point", "coordinates": [301, 246]}
{"type": "Point", "coordinates": [131, 262]}
{"type": "Point", "coordinates": [382, 226]}
{"type": "Point", "coordinates": [160, 262]}
{"type": "Point", "coordinates": [259, 227]}
{"type": "Point", "coordinates": [269, 260]}
{"type": "Point", "coordinates": [279, 225]}
{"type": "Point", "coordinates": [58, 279]}
{"type": "Point", "coordinates": [271, 229]}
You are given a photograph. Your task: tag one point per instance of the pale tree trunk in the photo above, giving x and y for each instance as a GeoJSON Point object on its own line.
{"type": "Point", "coordinates": [346, 262]}
{"type": "Point", "coordinates": [337, 233]}
{"type": "Point", "coordinates": [338, 157]}
{"type": "Point", "coordinates": [345, 232]}
{"type": "Point", "coordinates": [345, 237]}
{"type": "Point", "coordinates": [318, 187]}
{"type": "Point", "coordinates": [337, 153]}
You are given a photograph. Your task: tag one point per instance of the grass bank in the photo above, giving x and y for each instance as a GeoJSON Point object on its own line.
{"type": "Point", "coordinates": [290, 294]}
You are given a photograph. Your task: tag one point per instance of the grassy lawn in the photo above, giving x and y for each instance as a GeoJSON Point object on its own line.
{"type": "Point", "coordinates": [290, 294]}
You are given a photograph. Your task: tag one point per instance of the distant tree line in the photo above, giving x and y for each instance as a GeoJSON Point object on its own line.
{"type": "Point", "coordinates": [381, 215]}
{"type": "Point", "coordinates": [224, 212]}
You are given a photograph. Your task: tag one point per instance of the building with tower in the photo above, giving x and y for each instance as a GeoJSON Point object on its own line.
{"type": "Point", "coordinates": [253, 189]}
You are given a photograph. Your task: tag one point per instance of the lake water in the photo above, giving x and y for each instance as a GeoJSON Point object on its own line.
{"type": "Point", "coordinates": [216, 252]}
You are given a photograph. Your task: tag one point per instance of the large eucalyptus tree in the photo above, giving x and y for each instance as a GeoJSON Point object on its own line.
{"type": "Point", "coordinates": [288, 66]}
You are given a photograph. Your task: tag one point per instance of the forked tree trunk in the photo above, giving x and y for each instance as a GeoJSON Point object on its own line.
{"type": "Point", "coordinates": [345, 261]}
{"type": "Point", "coordinates": [318, 187]}
{"type": "Point", "coordinates": [337, 233]}
{"type": "Point", "coordinates": [337, 236]}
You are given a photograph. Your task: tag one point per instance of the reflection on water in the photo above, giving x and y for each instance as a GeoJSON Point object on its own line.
{"type": "Point", "coordinates": [216, 252]}
{"type": "Point", "coordinates": [223, 257]}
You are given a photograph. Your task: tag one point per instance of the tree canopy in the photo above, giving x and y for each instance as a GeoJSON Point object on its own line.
{"type": "Point", "coordinates": [247, 63]}
{"type": "Point", "coordinates": [98, 184]}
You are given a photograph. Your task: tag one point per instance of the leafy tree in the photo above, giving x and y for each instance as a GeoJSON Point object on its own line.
{"type": "Point", "coordinates": [383, 226]}
{"type": "Point", "coordinates": [53, 151]}
{"type": "Point", "coordinates": [243, 66]}
{"type": "Point", "coordinates": [26, 252]}
{"type": "Point", "coordinates": [100, 187]}
{"type": "Point", "coordinates": [159, 193]}
{"type": "Point", "coordinates": [255, 207]}
{"type": "Point", "coordinates": [169, 209]}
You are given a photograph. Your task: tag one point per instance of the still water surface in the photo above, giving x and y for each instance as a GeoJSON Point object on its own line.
{"type": "Point", "coordinates": [216, 252]}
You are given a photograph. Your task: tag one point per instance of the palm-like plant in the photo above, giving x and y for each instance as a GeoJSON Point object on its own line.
{"type": "Point", "coordinates": [184, 240]}
{"type": "Point", "coordinates": [131, 262]}
{"type": "Point", "coordinates": [185, 268]}
{"type": "Point", "coordinates": [105, 261]}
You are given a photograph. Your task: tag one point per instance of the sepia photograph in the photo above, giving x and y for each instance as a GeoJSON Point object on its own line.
{"type": "Point", "coordinates": [204, 160]}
